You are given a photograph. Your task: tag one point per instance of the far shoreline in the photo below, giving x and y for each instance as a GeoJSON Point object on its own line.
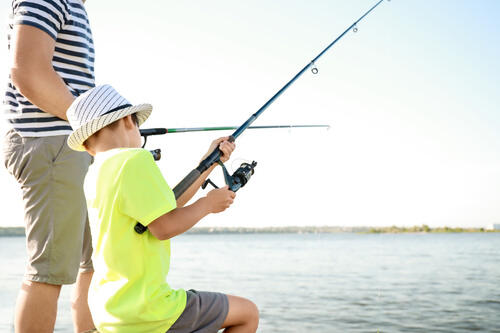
{"type": "Point", "coordinates": [19, 231]}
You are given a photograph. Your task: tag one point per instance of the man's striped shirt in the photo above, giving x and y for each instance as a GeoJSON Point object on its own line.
{"type": "Point", "coordinates": [67, 23]}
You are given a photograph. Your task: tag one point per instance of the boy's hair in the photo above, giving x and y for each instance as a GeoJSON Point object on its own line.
{"type": "Point", "coordinates": [113, 124]}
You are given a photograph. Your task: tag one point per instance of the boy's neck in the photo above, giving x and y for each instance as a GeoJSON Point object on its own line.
{"type": "Point", "coordinates": [113, 145]}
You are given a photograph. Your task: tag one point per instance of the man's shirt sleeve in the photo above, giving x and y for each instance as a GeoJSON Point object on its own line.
{"type": "Point", "coordinates": [47, 15]}
{"type": "Point", "coordinates": [144, 193]}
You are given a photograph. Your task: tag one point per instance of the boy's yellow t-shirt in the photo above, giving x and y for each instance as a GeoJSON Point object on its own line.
{"type": "Point", "coordinates": [129, 292]}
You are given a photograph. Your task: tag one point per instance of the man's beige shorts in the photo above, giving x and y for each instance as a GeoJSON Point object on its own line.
{"type": "Point", "coordinates": [57, 230]}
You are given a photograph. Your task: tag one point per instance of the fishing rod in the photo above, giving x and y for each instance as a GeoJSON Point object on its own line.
{"type": "Point", "coordinates": [214, 156]}
{"type": "Point", "coordinates": [159, 131]}
{"type": "Point", "coordinates": [147, 132]}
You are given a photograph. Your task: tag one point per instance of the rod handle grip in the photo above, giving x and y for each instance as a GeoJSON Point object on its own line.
{"type": "Point", "coordinates": [185, 183]}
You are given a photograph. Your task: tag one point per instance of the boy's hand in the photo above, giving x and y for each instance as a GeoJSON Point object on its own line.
{"type": "Point", "coordinates": [224, 145]}
{"type": "Point", "coordinates": [220, 199]}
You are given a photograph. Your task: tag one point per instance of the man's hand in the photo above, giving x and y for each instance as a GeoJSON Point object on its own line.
{"type": "Point", "coordinates": [224, 145]}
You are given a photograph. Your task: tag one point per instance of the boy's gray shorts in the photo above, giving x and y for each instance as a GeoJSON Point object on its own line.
{"type": "Point", "coordinates": [205, 312]}
{"type": "Point", "coordinates": [57, 231]}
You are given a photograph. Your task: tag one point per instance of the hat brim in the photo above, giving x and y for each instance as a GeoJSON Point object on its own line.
{"type": "Point", "coordinates": [81, 134]}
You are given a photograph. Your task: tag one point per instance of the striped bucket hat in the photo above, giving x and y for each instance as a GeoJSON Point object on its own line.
{"type": "Point", "coordinates": [97, 108]}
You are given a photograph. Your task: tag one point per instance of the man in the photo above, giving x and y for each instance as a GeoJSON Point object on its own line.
{"type": "Point", "coordinates": [52, 62]}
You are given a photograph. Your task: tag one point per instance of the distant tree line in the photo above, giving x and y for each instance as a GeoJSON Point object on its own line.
{"type": "Point", "coordinates": [19, 231]}
{"type": "Point", "coordinates": [424, 228]}
{"type": "Point", "coordinates": [12, 231]}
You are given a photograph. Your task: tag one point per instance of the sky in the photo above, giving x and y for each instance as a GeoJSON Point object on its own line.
{"type": "Point", "coordinates": [412, 99]}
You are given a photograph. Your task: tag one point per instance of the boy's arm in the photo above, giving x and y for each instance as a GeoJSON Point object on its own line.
{"type": "Point", "coordinates": [181, 219]}
{"type": "Point", "coordinates": [227, 148]}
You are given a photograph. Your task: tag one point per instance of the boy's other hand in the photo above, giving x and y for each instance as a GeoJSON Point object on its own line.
{"type": "Point", "coordinates": [220, 199]}
{"type": "Point", "coordinates": [225, 147]}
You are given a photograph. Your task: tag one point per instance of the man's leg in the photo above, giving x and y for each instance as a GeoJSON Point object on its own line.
{"type": "Point", "coordinates": [82, 319]}
{"type": "Point", "coordinates": [242, 317]}
{"type": "Point", "coordinates": [36, 307]}
{"type": "Point", "coordinates": [51, 178]}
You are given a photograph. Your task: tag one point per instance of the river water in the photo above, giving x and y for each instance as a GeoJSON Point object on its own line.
{"type": "Point", "coordinates": [342, 282]}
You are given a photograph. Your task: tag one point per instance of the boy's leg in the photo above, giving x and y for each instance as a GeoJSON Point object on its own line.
{"type": "Point", "coordinates": [36, 307]}
{"type": "Point", "coordinates": [242, 317]}
{"type": "Point", "coordinates": [210, 311]}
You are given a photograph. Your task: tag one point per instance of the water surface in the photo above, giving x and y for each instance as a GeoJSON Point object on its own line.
{"type": "Point", "coordinates": [327, 282]}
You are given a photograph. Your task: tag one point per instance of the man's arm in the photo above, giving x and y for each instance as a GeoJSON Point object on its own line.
{"type": "Point", "coordinates": [32, 72]}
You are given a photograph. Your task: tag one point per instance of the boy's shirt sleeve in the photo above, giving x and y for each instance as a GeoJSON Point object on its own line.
{"type": "Point", "coordinates": [47, 15]}
{"type": "Point", "coordinates": [144, 193]}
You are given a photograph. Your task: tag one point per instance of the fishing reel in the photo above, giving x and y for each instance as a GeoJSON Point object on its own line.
{"type": "Point", "coordinates": [156, 154]}
{"type": "Point", "coordinates": [238, 179]}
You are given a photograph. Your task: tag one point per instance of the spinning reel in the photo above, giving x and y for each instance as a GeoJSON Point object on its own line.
{"type": "Point", "coordinates": [238, 179]}
{"type": "Point", "coordinates": [235, 181]}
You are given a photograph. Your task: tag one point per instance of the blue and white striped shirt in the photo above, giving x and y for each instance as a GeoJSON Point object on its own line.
{"type": "Point", "coordinates": [67, 23]}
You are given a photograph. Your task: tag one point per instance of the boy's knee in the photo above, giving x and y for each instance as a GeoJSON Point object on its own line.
{"type": "Point", "coordinates": [253, 314]}
{"type": "Point", "coordinates": [242, 312]}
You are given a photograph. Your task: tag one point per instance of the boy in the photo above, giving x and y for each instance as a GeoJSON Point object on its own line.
{"type": "Point", "coordinates": [129, 292]}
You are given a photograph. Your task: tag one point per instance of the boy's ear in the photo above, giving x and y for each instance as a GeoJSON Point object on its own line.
{"type": "Point", "coordinates": [129, 122]}
{"type": "Point", "coordinates": [88, 148]}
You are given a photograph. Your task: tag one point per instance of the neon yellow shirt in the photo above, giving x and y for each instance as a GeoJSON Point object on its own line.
{"type": "Point", "coordinates": [129, 292]}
